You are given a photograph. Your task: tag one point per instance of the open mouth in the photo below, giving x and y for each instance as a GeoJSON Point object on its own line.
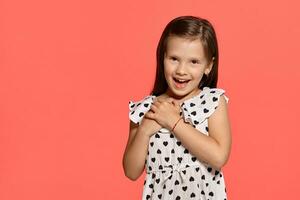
{"type": "Point", "coordinates": [180, 83]}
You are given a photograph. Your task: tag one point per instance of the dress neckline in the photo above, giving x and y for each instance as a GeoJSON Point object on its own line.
{"type": "Point", "coordinates": [189, 99]}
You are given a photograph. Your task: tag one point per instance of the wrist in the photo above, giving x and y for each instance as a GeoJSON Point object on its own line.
{"type": "Point", "coordinates": [175, 123]}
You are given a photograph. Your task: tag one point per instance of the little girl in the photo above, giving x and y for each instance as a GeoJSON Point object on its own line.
{"type": "Point", "coordinates": [181, 132]}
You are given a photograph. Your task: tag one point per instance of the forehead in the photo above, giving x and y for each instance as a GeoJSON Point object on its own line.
{"type": "Point", "coordinates": [184, 46]}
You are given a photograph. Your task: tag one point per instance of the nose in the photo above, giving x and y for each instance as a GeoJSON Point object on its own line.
{"type": "Point", "coordinates": [180, 69]}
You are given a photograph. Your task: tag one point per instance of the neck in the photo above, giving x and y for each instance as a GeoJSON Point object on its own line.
{"type": "Point", "coordinates": [181, 99]}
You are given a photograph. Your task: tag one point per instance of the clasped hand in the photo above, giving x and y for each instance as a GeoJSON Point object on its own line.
{"type": "Point", "coordinates": [165, 111]}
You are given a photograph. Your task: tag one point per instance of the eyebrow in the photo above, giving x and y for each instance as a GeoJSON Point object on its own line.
{"type": "Point", "coordinates": [190, 58]}
{"type": "Point", "coordinates": [194, 58]}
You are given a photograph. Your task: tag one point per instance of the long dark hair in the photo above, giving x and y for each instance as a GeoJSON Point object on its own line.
{"type": "Point", "coordinates": [190, 27]}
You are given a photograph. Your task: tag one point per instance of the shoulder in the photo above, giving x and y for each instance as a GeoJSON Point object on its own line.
{"type": "Point", "coordinates": [214, 93]}
{"type": "Point", "coordinates": [144, 102]}
{"type": "Point", "coordinates": [204, 105]}
{"type": "Point", "coordinates": [216, 100]}
{"type": "Point", "coordinates": [212, 97]}
{"type": "Point", "coordinates": [137, 109]}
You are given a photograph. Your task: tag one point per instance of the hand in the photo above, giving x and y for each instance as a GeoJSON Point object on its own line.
{"type": "Point", "coordinates": [149, 126]}
{"type": "Point", "coordinates": [165, 111]}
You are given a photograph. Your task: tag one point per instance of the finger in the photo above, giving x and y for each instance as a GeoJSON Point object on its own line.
{"type": "Point", "coordinates": [153, 108]}
{"type": "Point", "coordinates": [162, 101]}
{"type": "Point", "coordinates": [165, 99]}
{"type": "Point", "coordinates": [170, 99]}
{"type": "Point", "coordinates": [156, 103]}
{"type": "Point", "coordinates": [175, 102]}
{"type": "Point", "coordinates": [159, 100]}
{"type": "Point", "coordinates": [149, 115]}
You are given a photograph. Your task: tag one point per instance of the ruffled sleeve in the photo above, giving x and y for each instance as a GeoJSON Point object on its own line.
{"type": "Point", "coordinates": [138, 109]}
{"type": "Point", "coordinates": [202, 106]}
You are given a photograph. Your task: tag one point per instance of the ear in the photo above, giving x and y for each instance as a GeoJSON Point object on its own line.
{"type": "Point", "coordinates": [209, 66]}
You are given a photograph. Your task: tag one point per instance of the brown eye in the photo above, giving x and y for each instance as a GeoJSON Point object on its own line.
{"type": "Point", "coordinates": [195, 61]}
{"type": "Point", "coordinates": [173, 58]}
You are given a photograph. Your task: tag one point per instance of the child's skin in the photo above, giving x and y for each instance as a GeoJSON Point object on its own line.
{"type": "Point", "coordinates": [184, 59]}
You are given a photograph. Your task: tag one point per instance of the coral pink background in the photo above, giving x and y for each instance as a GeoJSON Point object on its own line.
{"type": "Point", "coordinates": [69, 68]}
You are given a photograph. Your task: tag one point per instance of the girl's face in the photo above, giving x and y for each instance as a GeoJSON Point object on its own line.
{"type": "Point", "coordinates": [184, 65]}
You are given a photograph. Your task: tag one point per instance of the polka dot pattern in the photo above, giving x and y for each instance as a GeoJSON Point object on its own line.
{"type": "Point", "coordinates": [172, 171]}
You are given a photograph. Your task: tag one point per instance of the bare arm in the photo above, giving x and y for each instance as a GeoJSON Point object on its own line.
{"type": "Point", "coordinates": [213, 149]}
{"type": "Point", "coordinates": [137, 146]}
{"type": "Point", "coordinates": [135, 153]}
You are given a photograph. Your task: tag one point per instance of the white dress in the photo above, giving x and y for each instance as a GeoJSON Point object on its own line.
{"type": "Point", "coordinates": [173, 173]}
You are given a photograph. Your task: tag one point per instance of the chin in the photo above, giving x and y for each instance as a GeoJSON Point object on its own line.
{"type": "Point", "coordinates": [179, 94]}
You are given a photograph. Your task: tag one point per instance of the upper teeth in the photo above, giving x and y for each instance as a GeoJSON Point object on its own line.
{"type": "Point", "coordinates": [181, 80]}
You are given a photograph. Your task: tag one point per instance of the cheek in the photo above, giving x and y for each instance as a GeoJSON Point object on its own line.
{"type": "Point", "coordinates": [166, 72]}
{"type": "Point", "coordinates": [168, 69]}
{"type": "Point", "coordinates": [198, 74]}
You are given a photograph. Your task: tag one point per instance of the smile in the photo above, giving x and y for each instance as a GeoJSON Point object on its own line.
{"type": "Point", "coordinates": [180, 83]}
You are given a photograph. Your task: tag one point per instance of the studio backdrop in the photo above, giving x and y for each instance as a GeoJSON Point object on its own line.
{"type": "Point", "coordinates": [68, 70]}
